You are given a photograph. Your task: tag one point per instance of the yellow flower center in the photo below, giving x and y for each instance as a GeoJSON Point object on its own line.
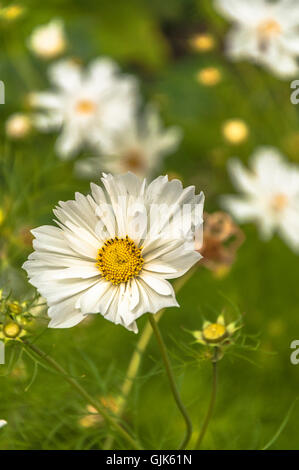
{"type": "Point", "coordinates": [279, 202]}
{"type": "Point", "coordinates": [119, 260]}
{"type": "Point", "coordinates": [11, 329]}
{"type": "Point", "coordinates": [85, 107]}
{"type": "Point", "coordinates": [235, 131]}
{"type": "Point", "coordinates": [214, 333]}
{"type": "Point", "coordinates": [203, 42]}
{"type": "Point", "coordinates": [209, 76]}
{"type": "Point", "coordinates": [269, 28]}
{"type": "Point", "coordinates": [12, 12]}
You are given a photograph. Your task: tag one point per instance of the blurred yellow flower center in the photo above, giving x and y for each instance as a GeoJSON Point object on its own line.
{"type": "Point", "coordinates": [269, 28]}
{"type": "Point", "coordinates": [235, 131]}
{"type": "Point", "coordinates": [85, 107]}
{"type": "Point", "coordinates": [279, 202]}
{"type": "Point", "coordinates": [209, 76]}
{"type": "Point", "coordinates": [12, 12]}
{"type": "Point", "coordinates": [203, 42]}
{"type": "Point", "coordinates": [214, 332]}
{"type": "Point", "coordinates": [11, 329]}
{"type": "Point", "coordinates": [119, 260]}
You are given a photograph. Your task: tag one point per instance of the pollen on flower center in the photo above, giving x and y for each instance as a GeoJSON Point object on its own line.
{"type": "Point", "coordinates": [85, 107]}
{"type": "Point", "coordinates": [119, 260]}
{"type": "Point", "coordinates": [214, 332]}
{"type": "Point", "coordinates": [279, 202]}
{"type": "Point", "coordinates": [269, 28]}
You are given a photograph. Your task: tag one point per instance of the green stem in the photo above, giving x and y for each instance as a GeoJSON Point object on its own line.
{"type": "Point", "coordinates": [136, 357]}
{"type": "Point", "coordinates": [101, 410]}
{"type": "Point", "coordinates": [211, 406]}
{"type": "Point", "coordinates": [171, 379]}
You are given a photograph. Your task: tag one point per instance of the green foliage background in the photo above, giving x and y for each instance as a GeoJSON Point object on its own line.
{"type": "Point", "coordinates": [256, 388]}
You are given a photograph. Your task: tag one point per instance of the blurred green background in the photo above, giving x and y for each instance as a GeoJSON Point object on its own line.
{"type": "Point", "coordinates": [151, 39]}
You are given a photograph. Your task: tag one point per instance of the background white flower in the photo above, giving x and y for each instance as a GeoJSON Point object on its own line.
{"type": "Point", "coordinates": [2, 423]}
{"type": "Point", "coordinates": [48, 41]}
{"type": "Point", "coordinates": [112, 254]}
{"type": "Point", "coordinates": [18, 126]}
{"type": "Point", "coordinates": [270, 195]}
{"type": "Point", "coordinates": [264, 31]}
{"type": "Point", "coordinates": [139, 147]}
{"type": "Point", "coordinates": [86, 105]}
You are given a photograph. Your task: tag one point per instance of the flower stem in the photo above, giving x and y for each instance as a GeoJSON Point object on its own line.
{"type": "Point", "coordinates": [101, 410]}
{"type": "Point", "coordinates": [211, 405]}
{"type": "Point", "coordinates": [171, 379]}
{"type": "Point", "coordinates": [136, 357]}
{"type": "Point", "coordinates": [141, 347]}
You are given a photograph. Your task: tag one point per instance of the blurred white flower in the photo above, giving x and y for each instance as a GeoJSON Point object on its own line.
{"type": "Point", "coordinates": [2, 423]}
{"type": "Point", "coordinates": [18, 126]}
{"type": "Point", "coordinates": [48, 41]}
{"type": "Point", "coordinates": [270, 195]}
{"type": "Point", "coordinates": [111, 254]}
{"type": "Point", "coordinates": [264, 31]}
{"type": "Point", "coordinates": [86, 105]}
{"type": "Point", "coordinates": [139, 147]}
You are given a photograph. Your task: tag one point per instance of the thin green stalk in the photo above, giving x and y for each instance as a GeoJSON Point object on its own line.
{"type": "Point", "coordinates": [101, 410]}
{"type": "Point", "coordinates": [211, 406]}
{"type": "Point", "coordinates": [141, 346]}
{"type": "Point", "coordinates": [172, 383]}
{"type": "Point", "coordinates": [136, 357]}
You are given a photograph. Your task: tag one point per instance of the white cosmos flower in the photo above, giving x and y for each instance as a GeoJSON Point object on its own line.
{"type": "Point", "coordinates": [2, 423]}
{"type": "Point", "coordinates": [85, 105]}
{"type": "Point", "coordinates": [138, 147]}
{"type": "Point", "coordinates": [267, 32]}
{"type": "Point", "coordinates": [114, 250]}
{"type": "Point", "coordinates": [270, 195]}
{"type": "Point", "coordinates": [48, 41]}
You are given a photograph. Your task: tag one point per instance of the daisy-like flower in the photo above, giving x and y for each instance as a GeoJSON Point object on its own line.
{"type": "Point", "coordinates": [138, 147]}
{"type": "Point", "coordinates": [48, 41]}
{"type": "Point", "coordinates": [267, 32]}
{"type": "Point", "coordinates": [270, 195]}
{"type": "Point", "coordinates": [114, 250]}
{"type": "Point", "coordinates": [86, 105]}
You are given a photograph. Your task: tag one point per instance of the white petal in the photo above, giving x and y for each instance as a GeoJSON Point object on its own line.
{"type": "Point", "coordinates": [242, 210]}
{"type": "Point", "coordinates": [159, 285]}
{"type": "Point", "coordinates": [175, 263]}
{"type": "Point", "coordinates": [90, 301]}
{"type": "Point", "coordinates": [68, 143]}
{"type": "Point", "coordinates": [66, 74]}
{"type": "Point", "coordinates": [241, 177]}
